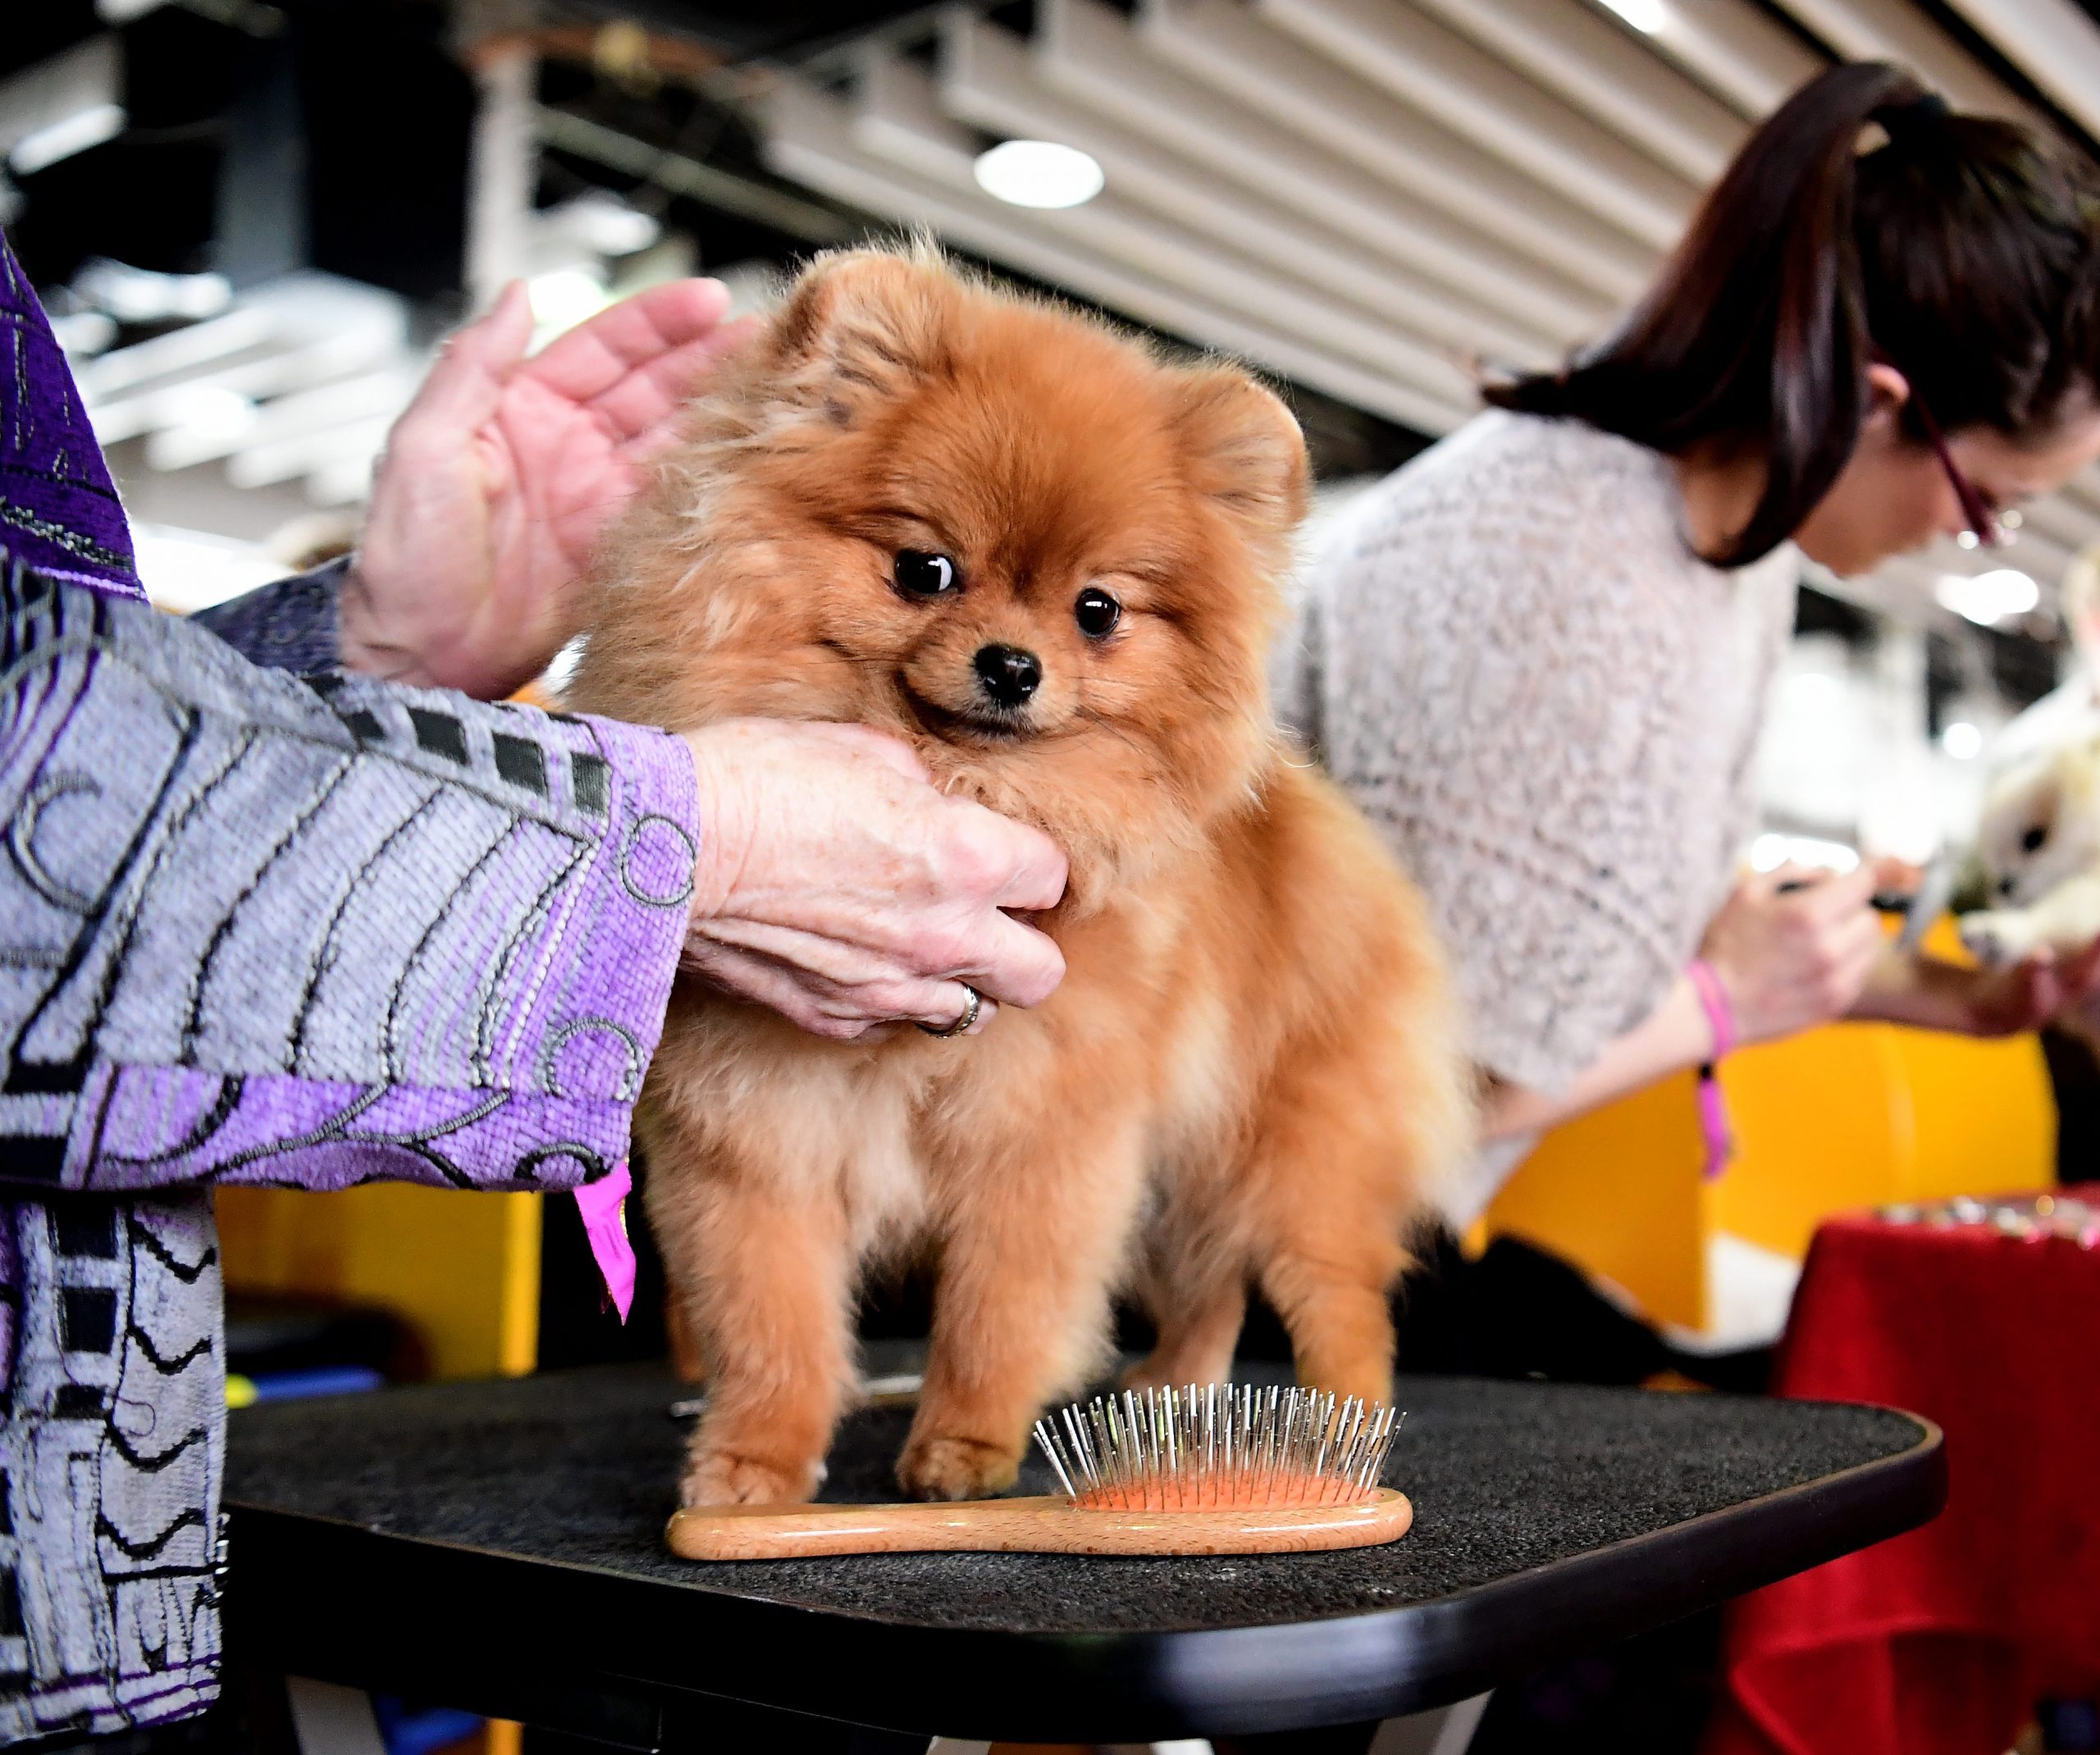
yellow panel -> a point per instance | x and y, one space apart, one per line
1843 1117
1986 1115
1617 1193
1823 1123
461 1269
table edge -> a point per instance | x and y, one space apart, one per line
1189 1681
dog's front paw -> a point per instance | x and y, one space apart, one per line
1994 939
933 1467
714 1477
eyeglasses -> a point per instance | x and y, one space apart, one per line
1987 527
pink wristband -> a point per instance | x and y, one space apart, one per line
1718 1137
1714 1001
603 1204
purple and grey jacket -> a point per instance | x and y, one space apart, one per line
255 926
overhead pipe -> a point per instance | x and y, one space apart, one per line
984 79
1088 55
807 135
1736 51
897 117
1602 71
1223 44
1896 30
2055 44
1440 75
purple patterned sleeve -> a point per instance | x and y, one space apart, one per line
316 930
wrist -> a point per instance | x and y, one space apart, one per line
1716 1003
723 834
364 642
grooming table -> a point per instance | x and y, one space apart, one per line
497 1546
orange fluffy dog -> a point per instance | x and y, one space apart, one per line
1048 561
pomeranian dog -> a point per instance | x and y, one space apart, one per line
1251 1074
2038 849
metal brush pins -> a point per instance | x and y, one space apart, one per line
1218 1445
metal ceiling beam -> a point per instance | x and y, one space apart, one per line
985 79
1440 75
1602 71
1737 52
1896 30
897 117
2063 521
808 136
1220 44
1088 55
2054 43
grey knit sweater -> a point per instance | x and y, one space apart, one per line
1510 654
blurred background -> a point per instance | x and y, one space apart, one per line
251 218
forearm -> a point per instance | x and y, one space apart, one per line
1920 991
1676 1035
262 928
294 624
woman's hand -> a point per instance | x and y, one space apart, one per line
499 478
1790 958
838 887
1997 1001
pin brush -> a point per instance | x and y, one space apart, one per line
1215 1470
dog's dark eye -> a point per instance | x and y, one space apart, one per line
1096 612
919 575
2032 841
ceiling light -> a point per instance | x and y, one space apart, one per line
564 298
1771 851
68 135
145 295
603 222
1650 16
1038 174
1990 597
1962 741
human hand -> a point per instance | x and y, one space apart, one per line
2010 999
837 886
1791 957
498 481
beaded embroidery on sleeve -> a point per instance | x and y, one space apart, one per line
253 927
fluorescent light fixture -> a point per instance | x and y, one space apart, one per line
1962 740
1813 691
606 224
1038 174
1990 597
68 135
562 298
1768 853
145 295
191 569
1649 16
84 334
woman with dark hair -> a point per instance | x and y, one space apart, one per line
1538 655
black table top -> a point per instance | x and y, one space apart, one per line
502 1542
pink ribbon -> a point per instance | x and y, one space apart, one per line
1714 1128
603 1204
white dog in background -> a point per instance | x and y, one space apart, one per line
2039 848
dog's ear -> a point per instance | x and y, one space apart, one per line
858 326
1243 447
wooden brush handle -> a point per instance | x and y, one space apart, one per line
1030 1526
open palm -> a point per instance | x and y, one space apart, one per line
500 477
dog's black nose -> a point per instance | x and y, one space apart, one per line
1008 674
2007 885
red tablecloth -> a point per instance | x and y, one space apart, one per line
1942 1639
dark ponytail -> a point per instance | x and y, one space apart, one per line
1964 250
